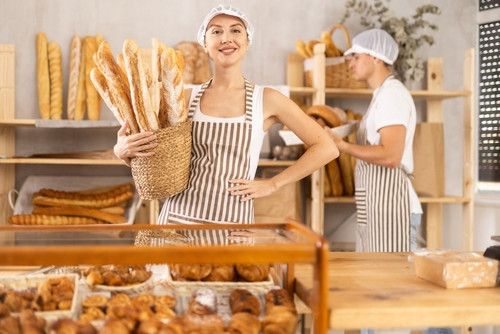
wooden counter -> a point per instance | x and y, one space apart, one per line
381 290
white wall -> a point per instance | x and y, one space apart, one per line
278 24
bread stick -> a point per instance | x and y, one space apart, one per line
43 79
172 88
92 97
139 93
55 74
81 212
88 203
106 63
30 219
74 71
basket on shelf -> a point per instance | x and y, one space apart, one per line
337 71
166 173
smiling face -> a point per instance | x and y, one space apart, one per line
226 39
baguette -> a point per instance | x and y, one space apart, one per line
101 85
157 50
80 212
55 75
118 90
172 91
333 172
300 47
141 101
43 79
123 73
79 195
330 49
30 219
81 96
92 97
88 203
74 71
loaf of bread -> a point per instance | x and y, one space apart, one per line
55 74
81 212
139 92
203 70
335 177
94 194
172 88
253 272
242 300
333 116
154 90
190 53
243 323
81 94
87 202
43 79
92 96
101 85
30 219
118 88
74 72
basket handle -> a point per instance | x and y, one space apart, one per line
346 33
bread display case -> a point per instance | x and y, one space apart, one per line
281 244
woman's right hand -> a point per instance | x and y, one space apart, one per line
135 145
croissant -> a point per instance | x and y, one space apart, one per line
242 300
243 323
253 272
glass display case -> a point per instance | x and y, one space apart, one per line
282 244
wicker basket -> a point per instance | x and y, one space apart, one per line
166 173
337 71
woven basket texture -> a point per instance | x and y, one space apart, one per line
166 173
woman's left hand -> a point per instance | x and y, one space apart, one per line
249 189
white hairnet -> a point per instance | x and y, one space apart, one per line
228 10
377 43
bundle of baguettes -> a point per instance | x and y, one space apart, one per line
149 94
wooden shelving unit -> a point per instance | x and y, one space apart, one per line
434 97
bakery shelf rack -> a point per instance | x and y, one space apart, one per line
284 244
433 96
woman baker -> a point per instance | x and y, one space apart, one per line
230 117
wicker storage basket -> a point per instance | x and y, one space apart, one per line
166 173
337 72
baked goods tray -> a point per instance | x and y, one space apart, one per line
33 183
32 282
186 288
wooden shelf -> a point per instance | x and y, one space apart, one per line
61 124
445 199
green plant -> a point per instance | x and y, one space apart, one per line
409 32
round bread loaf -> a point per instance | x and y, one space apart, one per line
333 116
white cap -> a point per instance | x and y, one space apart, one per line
376 43
228 10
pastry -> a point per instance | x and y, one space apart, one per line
118 87
43 79
139 92
114 326
253 272
203 301
98 301
243 323
280 320
55 75
279 297
193 272
203 324
74 72
221 273
242 300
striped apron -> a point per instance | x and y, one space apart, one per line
382 204
220 153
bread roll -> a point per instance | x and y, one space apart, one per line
139 92
118 90
92 96
203 302
43 79
55 74
203 324
243 323
172 89
242 300
332 116
221 273
74 71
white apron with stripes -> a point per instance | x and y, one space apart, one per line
220 153
382 204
